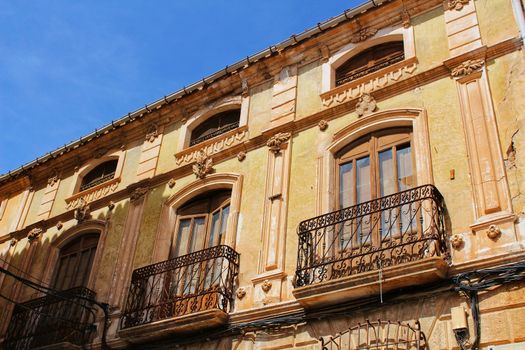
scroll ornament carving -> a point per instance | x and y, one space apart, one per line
275 142
138 193
152 132
494 232
266 286
362 35
457 241
34 234
82 212
456 4
241 292
467 67
323 125
203 165
365 105
244 88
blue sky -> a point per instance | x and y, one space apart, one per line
68 67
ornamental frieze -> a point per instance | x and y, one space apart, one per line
211 147
367 84
92 194
467 67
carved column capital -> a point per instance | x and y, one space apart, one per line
275 142
34 234
455 4
152 132
203 165
138 193
467 67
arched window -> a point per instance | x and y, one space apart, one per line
100 174
369 61
216 125
201 223
75 262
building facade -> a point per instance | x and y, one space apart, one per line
357 186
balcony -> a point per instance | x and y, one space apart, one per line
373 247
188 293
53 322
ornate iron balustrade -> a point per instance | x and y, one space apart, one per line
218 132
379 335
68 318
97 182
356 74
403 227
187 284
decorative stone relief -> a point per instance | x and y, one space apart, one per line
92 194
241 292
365 105
493 232
456 4
34 234
325 53
323 125
53 179
362 35
13 242
457 241
467 67
99 152
275 142
266 286
172 183
152 132
82 212
244 88
60 225
405 18
203 165
111 205
222 143
138 193
352 90
241 156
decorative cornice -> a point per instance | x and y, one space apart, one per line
275 142
455 4
365 105
362 35
92 194
82 212
203 165
467 67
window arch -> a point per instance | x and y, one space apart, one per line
369 61
99 174
215 125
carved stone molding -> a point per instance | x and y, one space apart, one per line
370 83
323 125
34 234
241 156
241 292
153 132
457 241
365 105
467 67
138 193
211 147
493 232
275 142
92 194
82 212
362 35
455 4
203 165
266 286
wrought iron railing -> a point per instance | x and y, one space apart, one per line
403 227
377 335
358 73
67 317
215 133
96 182
187 284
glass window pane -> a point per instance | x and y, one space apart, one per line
183 237
198 235
386 173
346 187
404 168
214 231
363 179
224 223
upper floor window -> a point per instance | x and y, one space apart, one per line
101 173
369 61
75 262
216 125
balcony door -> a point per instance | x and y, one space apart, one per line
377 165
201 224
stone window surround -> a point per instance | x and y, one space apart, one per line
348 51
415 118
91 164
203 114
